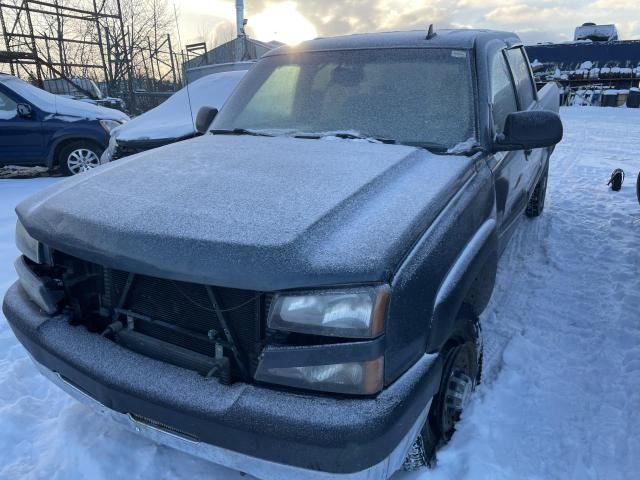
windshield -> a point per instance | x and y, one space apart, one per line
91 87
60 86
417 97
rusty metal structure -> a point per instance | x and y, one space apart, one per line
67 40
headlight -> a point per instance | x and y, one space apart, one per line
109 125
349 313
107 155
356 378
38 289
29 246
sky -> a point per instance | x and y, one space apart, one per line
292 21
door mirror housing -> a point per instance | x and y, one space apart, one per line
24 110
204 118
529 130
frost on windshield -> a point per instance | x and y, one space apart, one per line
411 96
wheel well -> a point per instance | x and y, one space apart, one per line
467 328
479 294
67 141
461 331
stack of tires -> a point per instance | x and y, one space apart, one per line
610 98
633 100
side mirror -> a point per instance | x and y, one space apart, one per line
24 110
204 118
528 130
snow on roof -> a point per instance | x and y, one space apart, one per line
458 38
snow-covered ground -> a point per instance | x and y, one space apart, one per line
561 391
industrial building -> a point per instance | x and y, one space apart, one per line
232 55
594 63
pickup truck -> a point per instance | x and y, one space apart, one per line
297 292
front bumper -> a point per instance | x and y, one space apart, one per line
262 431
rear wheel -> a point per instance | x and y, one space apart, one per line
460 375
78 157
536 202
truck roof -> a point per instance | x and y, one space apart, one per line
460 38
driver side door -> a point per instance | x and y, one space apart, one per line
21 139
510 169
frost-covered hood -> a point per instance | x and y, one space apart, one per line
250 212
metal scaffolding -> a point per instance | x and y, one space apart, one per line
79 39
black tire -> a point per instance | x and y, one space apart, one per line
463 357
78 156
536 202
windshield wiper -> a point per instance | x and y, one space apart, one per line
344 135
352 136
240 131
431 146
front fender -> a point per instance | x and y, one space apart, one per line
439 272
477 262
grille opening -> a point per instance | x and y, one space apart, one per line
177 313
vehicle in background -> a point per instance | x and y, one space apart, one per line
82 89
297 293
40 128
195 73
174 119
592 32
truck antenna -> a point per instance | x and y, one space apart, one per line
430 33
175 13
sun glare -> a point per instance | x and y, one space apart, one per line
282 22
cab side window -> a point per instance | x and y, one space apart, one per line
503 98
7 107
522 76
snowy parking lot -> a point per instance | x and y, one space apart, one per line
561 389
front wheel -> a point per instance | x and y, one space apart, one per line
78 157
460 375
459 378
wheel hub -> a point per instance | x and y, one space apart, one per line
82 160
459 392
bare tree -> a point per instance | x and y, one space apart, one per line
224 32
205 32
